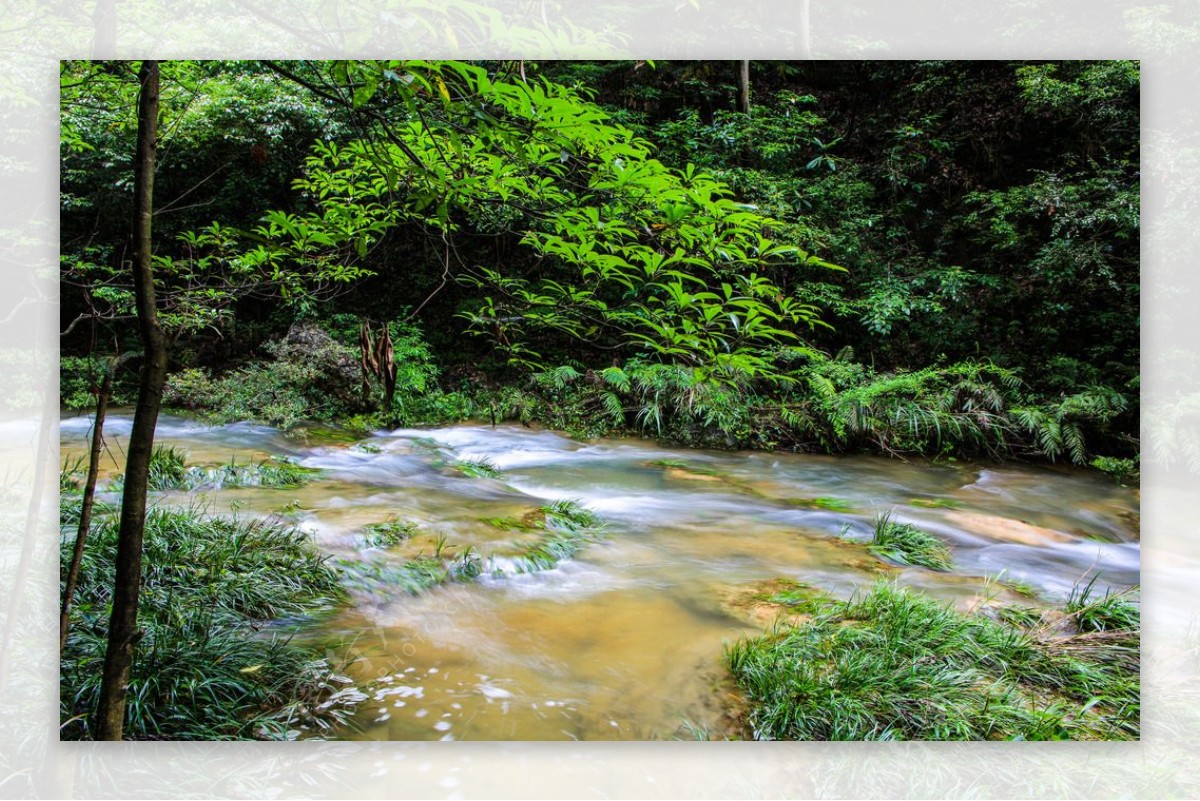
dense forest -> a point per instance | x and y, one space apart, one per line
936 262
907 257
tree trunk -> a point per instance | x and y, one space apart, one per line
85 509
744 87
122 631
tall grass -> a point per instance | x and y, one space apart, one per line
897 665
906 544
210 664
1111 612
169 471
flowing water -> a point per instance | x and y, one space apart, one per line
624 641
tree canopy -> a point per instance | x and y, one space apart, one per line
907 256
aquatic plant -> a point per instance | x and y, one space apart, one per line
906 544
389 533
898 665
570 515
935 503
169 471
276 472
417 575
478 468
168 468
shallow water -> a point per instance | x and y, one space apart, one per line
625 640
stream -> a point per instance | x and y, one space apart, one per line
624 640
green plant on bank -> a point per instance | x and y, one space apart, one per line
209 666
894 664
168 468
905 544
1123 471
70 473
1113 612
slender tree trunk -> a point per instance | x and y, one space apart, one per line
85 509
744 87
122 631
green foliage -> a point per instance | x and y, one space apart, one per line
566 528
70 474
1112 612
275 472
478 468
1123 471
828 504
169 471
205 670
1057 428
561 530
80 378
906 544
610 222
897 665
388 534
168 468
635 253
935 503
311 377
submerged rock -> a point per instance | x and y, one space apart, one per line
1005 528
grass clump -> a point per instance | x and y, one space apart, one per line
905 544
169 471
478 468
168 468
562 528
422 573
70 475
829 504
389 533
566 528
1113 612
207 666
897 665
275 473
935 503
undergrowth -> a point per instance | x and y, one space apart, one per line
897 665
209 664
